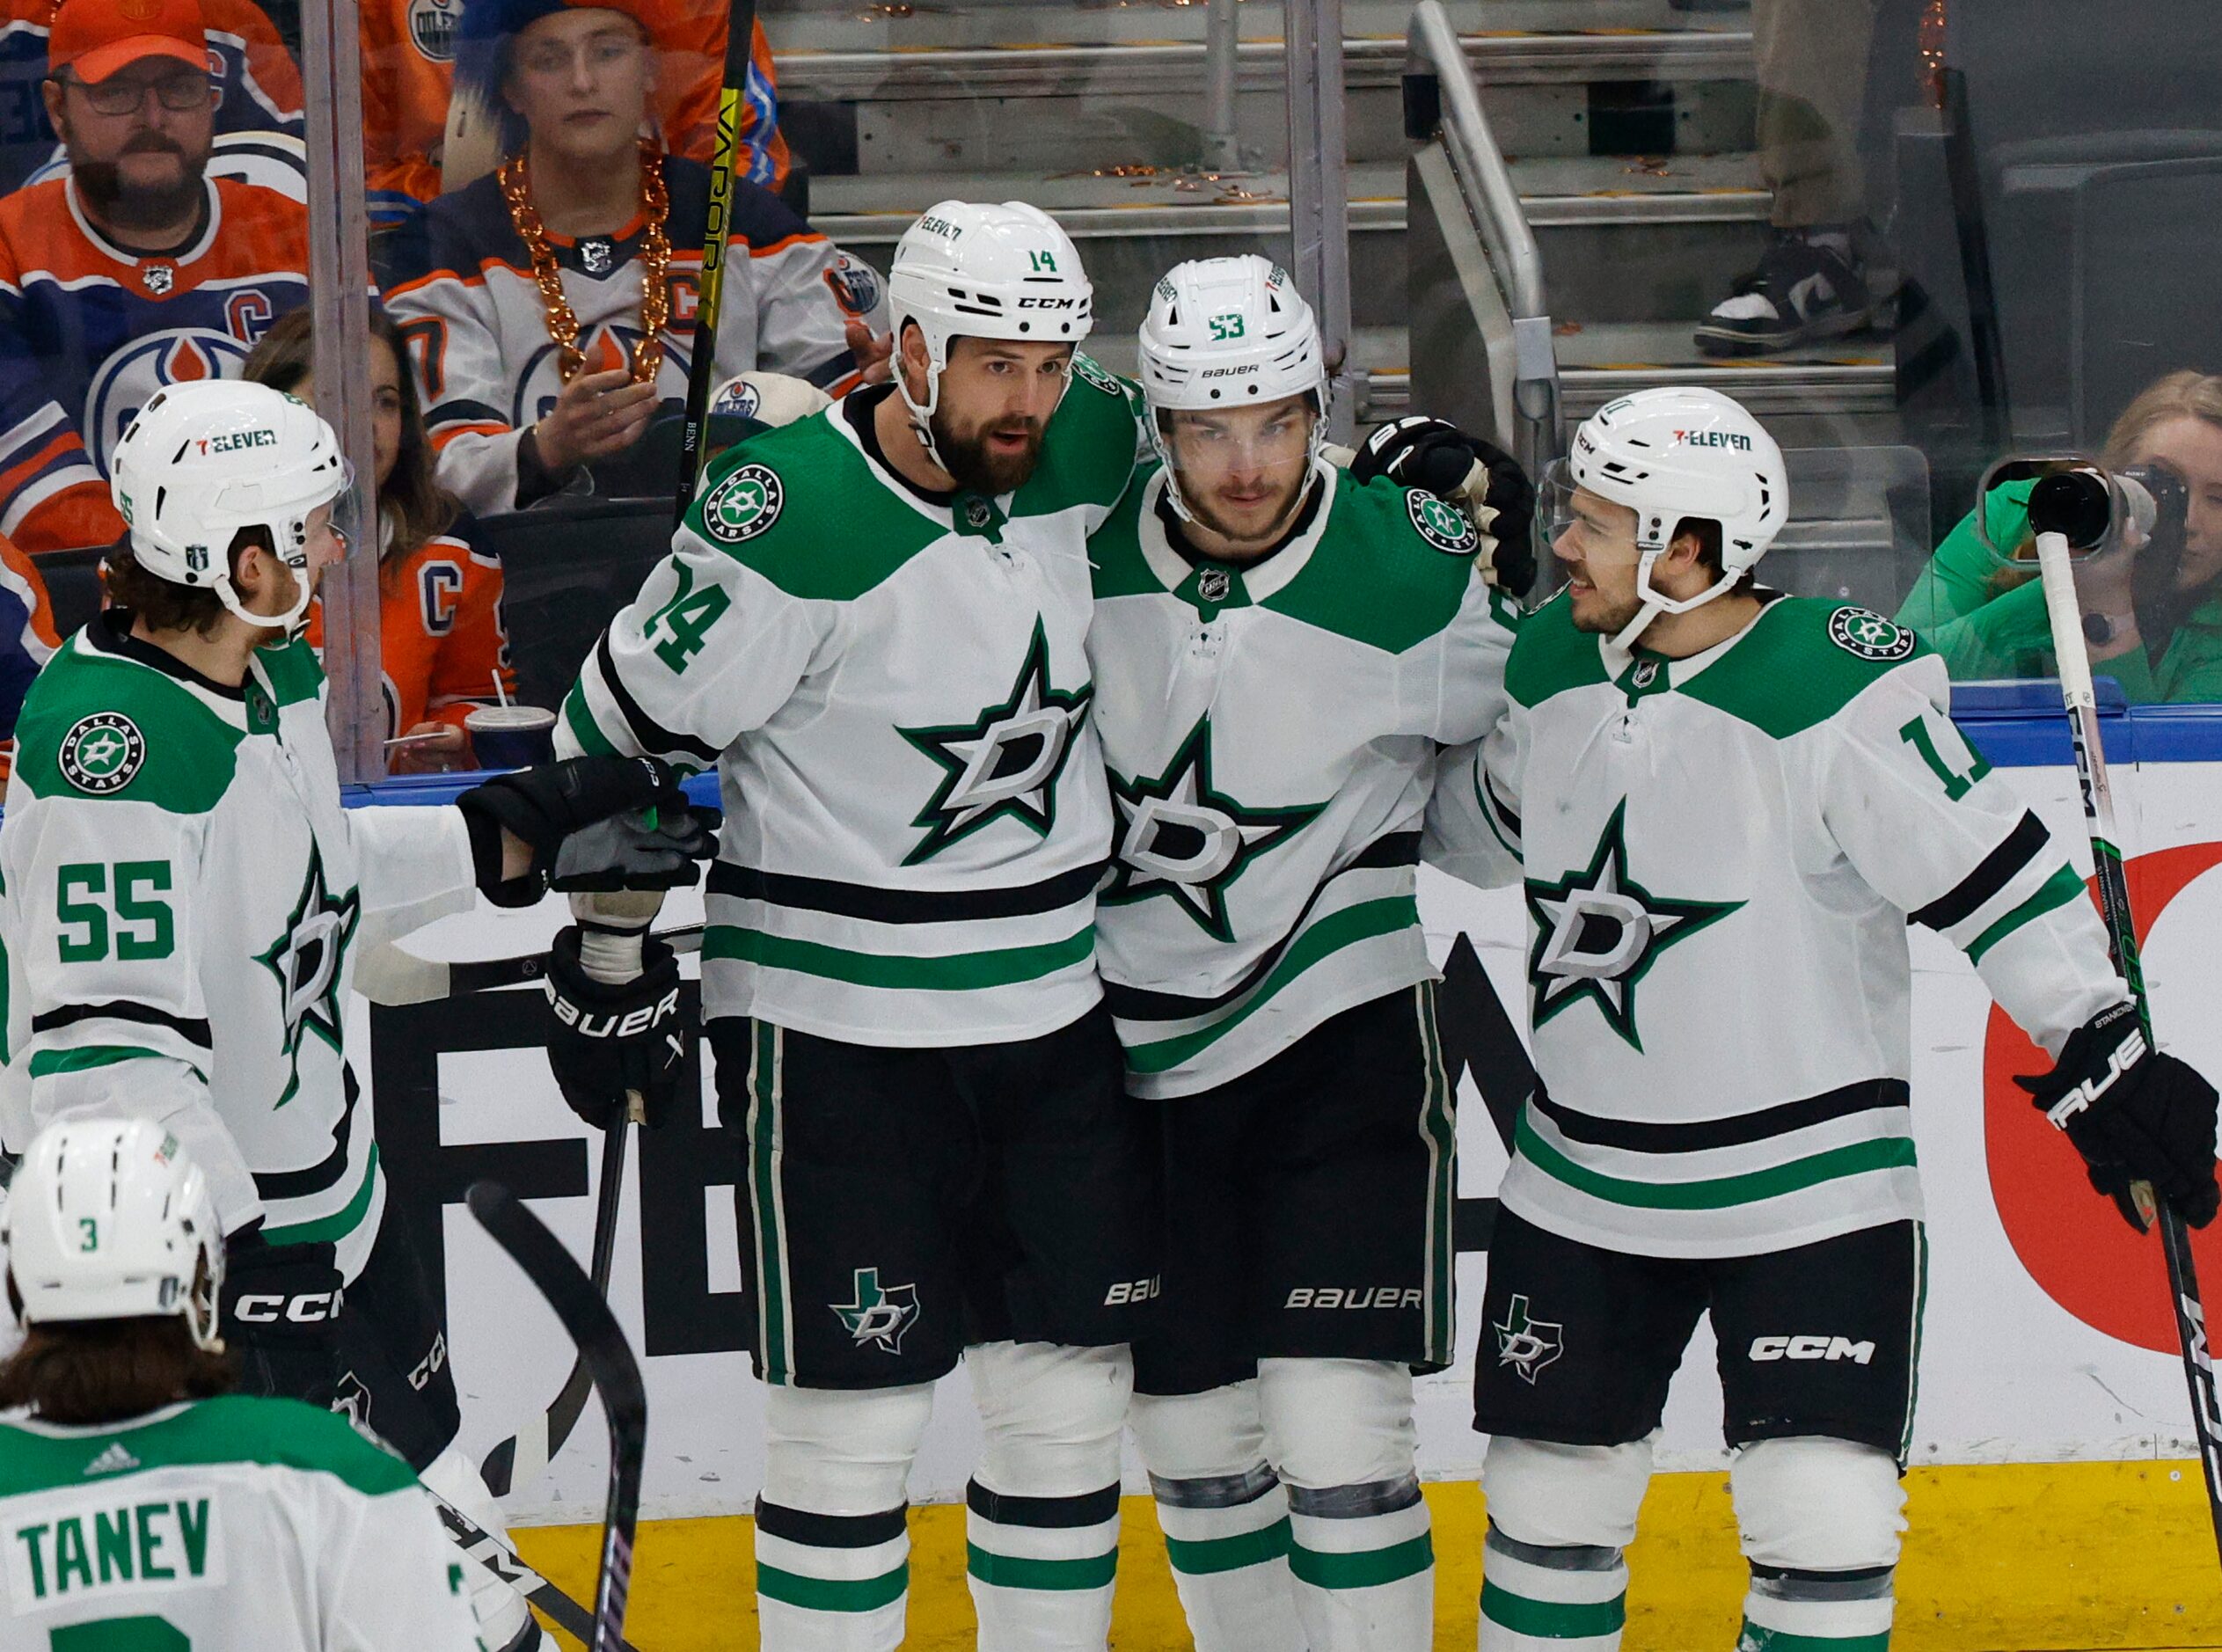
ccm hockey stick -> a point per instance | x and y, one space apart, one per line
702 372
390 975
616 1374
482 1548
2056 570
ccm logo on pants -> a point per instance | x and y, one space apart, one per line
1772 1348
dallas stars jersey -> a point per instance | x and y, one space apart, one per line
1271 733
1721 855
182 899
224 1522
478 328
89 330
895 690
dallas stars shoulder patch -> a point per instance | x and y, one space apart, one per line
743 505
1086 369
1868 635
1441 523
101 753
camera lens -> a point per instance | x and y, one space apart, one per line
2075 503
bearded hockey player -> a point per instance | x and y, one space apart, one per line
1728 804
185 898
873 623
141 1503
1277 649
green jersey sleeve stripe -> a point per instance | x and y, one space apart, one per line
47 1063
341 1222
1717 1192
2057 891
583 729
961 972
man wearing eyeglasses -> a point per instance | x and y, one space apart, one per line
136 271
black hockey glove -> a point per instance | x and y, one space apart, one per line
609 1040
1481 479
2135 1114
544 806
280 1309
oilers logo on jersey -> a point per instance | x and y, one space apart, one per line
432 26
611 346
1005 763
128 380
1181 836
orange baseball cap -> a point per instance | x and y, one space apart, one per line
95 37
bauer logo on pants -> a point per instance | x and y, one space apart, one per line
743 506
1527 1344
879 1314
102 752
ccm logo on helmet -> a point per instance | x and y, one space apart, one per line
1048 304
630 1024
311 1307
1765 1349
1712 439
232 440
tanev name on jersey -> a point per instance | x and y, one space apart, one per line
110 1542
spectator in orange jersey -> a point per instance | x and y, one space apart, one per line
408 75
440 634
556 317
27 637
136 271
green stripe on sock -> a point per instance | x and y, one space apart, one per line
961 972
1715 1192
1200 1557
1367 1569
1010 1571
1755 1638
1554 1619
826 1594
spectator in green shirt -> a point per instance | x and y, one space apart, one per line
1987 619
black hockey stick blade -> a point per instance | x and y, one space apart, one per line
525 1455
482 1548
702 371
608 1359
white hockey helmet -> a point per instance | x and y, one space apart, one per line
1672 452
109 1219
1227 333
970 270
203 461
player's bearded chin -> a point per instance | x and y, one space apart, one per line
141 205
965 456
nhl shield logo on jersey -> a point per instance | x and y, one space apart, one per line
880 1315
101 753
1442 525
597 255
1868 635
743 505
158 276
1526 1343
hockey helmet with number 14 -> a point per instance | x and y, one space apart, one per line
1667 454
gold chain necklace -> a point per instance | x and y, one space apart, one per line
655 254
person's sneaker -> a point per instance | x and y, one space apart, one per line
1804 289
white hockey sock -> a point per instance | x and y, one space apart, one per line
1228 1539
1817 1612
831 1583
1553 1599
1364 1567
1041 1569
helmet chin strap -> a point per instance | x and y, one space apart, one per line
1653 603
922 413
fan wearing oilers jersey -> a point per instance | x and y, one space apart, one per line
1725 804
182 899
1278 647
874 624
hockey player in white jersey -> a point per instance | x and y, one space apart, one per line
872 624
185 898
1278 647
141 1503
1727 805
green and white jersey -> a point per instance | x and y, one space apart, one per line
184 899
221 1524
893 689
1723 854
1271 733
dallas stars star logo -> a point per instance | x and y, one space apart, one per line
1526 1343
306 959
1004 763
1179 836
880 1314
1599 930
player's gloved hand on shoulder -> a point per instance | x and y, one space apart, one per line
552 809
609 1039
280 1311
2136 1114
1480 478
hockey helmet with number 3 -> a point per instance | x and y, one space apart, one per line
1668 454
1227 333
971 270
109 1219
203 461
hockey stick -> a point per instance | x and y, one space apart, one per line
390 975
482 1548
616 1374
702 371
2056 571
525 1455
